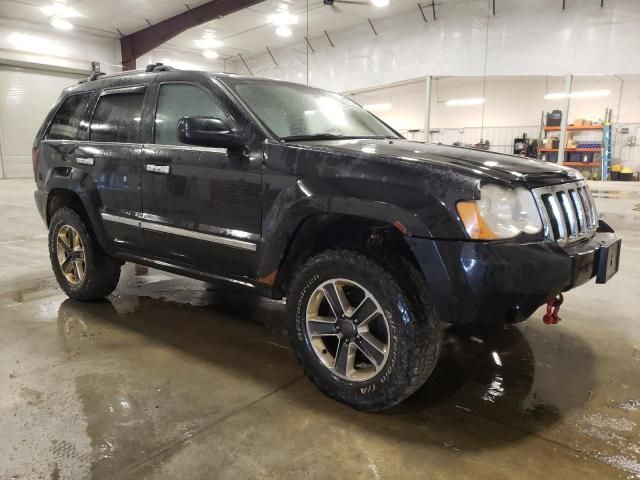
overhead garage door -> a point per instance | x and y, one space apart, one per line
26 96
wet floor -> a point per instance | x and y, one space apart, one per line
173 378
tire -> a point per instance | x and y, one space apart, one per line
413 333
90 274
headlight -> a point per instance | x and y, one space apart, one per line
500 213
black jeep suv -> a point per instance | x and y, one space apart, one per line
295 192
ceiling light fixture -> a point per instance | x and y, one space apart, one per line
590 94
462 102
579 94
60 10
207 43
283 18
282 21
61 24
283 31
380 3
377 107
210 54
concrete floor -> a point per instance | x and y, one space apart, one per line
171 379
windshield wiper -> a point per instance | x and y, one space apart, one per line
329 136
316 136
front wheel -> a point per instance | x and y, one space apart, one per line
361 338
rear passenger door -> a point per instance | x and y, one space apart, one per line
113 154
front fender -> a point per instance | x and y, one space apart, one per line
305 198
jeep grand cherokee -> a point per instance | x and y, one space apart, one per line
298 193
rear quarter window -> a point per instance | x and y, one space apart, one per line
66 121
117 117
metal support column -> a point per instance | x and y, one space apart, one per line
427 109
606 147
3 170
565 116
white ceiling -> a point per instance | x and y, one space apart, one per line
246 31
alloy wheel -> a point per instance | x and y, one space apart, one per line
348 330
71 254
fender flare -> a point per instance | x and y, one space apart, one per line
81 184
295 206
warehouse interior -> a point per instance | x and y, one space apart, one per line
174 377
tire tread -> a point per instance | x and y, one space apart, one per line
421 337
102 271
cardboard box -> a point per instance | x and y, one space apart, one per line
581 122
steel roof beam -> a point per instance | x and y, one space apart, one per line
134 45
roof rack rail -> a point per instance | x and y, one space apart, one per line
159 67
92 77
154 67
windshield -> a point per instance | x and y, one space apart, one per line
296 112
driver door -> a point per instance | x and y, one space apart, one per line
201 205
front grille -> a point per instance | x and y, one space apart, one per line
568 211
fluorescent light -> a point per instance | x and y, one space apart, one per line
61 24
208 43
377 107
60 10
380 3
210 54
590 94
461 102
283 18
579 94
283 31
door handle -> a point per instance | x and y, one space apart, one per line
163 169
85 161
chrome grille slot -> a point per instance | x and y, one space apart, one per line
555 218
569 214
568 211
590 206
580 211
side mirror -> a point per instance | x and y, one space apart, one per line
208 132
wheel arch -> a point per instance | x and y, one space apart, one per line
319 232
77 191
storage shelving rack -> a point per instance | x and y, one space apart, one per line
604 151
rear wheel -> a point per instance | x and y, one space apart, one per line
362 338
83 270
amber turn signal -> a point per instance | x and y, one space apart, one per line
473 223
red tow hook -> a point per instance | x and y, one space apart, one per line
553 307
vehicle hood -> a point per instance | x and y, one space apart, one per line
478 163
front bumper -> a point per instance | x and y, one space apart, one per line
491 282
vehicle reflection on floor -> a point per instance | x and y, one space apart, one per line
492 374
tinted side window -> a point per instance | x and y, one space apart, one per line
66 121
176 100
117 117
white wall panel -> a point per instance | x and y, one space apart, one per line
622 152
525 38
27 42
181 59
